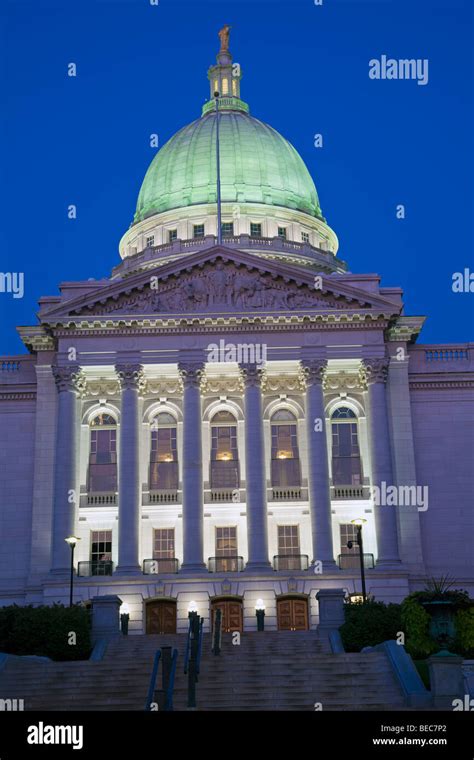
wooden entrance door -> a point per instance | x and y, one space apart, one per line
232 614
161 617
292 614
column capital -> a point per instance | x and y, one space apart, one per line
69 377
131 376
375 370
191 373
252 375
313 371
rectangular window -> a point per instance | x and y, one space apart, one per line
225 86
101 552
255 229
305 237
172 235
226 550
164 550
288 539
234 87
103 461
346 463
150 241
198 230
227 229
282 233
164 460
348 532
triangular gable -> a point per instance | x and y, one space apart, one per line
220 280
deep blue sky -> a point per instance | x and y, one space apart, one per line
142 69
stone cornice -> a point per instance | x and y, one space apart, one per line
405 329
18 396
448 382
36 338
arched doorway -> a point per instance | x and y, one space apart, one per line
161 616
232 613
292 613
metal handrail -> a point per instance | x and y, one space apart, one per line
154 673
169 692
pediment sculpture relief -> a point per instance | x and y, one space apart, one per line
217 288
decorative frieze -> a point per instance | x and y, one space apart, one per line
102 388
223 384
285 383
164 387
344 382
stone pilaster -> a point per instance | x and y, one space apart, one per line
375 372
193 512
319 492
257 522
70 384
131 381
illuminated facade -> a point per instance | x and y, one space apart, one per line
211 418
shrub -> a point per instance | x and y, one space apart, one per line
45 631
464 623
416 622
369 624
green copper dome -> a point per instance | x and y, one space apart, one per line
257 166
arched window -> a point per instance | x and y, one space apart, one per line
285 455
346 461
102 476
163 453
224 452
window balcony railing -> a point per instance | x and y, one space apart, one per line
225 564
99 499
292 562
352 561
220 495
163 496
349 492
95 567
161 566
286 493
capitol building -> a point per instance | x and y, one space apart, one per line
210 419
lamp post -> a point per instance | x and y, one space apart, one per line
359 522
124 618
72 541
192 609
260 613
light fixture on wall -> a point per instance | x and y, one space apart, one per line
283 455
224 456
260 613
72 541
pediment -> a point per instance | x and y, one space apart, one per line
220 281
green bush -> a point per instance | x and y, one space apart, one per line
464 623
415 623
369 624
45 631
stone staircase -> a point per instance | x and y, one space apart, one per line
267 671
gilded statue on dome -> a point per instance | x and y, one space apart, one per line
224 38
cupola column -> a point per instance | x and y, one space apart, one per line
131 380
257 522
318 465
375 372
193 511
70 383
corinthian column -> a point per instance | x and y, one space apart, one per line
131 381
193 513
318 465
376 373
70 383
257 526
